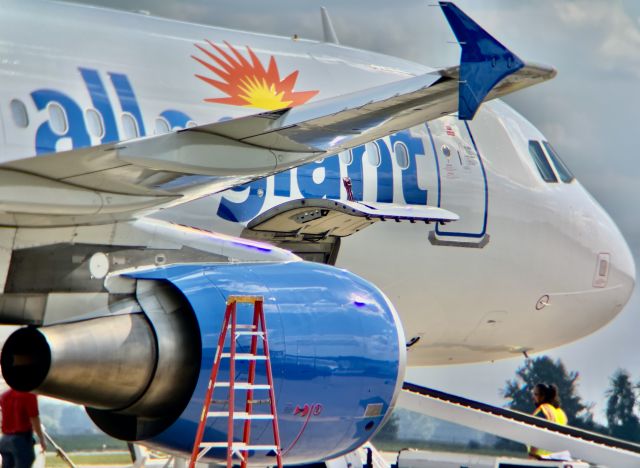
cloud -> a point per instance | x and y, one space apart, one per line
614 31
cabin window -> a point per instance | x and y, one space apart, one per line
542 163
94 123
162 126
346 157
129 126
373 154
402 155
561 168
19 113
57 118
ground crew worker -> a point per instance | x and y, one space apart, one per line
548 407
20 418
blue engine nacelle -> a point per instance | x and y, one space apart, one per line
336 345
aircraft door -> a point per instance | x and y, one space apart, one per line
462 183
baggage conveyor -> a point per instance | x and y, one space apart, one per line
520 427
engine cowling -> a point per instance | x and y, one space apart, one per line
337 353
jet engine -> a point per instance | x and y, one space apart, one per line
337 353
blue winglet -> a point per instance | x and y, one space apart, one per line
483 62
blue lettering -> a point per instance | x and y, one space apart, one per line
384 174
247 209
328 187
176 118
127 98
413 194
46 138
327 181
101 103
282 184
354 171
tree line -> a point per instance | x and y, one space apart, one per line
622 403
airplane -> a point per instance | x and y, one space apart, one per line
387 213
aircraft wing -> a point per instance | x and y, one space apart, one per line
121 180
333 125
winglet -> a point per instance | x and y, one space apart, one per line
327 27
484 61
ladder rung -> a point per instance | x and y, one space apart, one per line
238 415
255 330
244 299
245 357
249 333
215 445
237 446
243 326
244 386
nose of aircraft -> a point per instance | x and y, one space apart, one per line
607 266
623 267
616 266
607 269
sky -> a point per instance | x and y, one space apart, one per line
587 112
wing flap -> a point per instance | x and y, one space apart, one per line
311 219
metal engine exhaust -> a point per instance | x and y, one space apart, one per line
139 366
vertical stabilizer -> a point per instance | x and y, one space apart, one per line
327 27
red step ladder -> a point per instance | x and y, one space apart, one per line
257 331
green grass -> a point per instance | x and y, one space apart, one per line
88 442
97 458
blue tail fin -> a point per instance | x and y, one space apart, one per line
483 63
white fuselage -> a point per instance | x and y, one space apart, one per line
530 264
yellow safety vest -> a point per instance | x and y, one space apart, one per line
550 413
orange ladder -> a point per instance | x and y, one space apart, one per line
256 330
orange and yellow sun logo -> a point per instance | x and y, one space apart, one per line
246 82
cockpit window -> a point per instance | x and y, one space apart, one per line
561 168
542 163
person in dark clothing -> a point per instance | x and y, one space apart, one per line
20 419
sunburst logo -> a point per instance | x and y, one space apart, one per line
245 80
